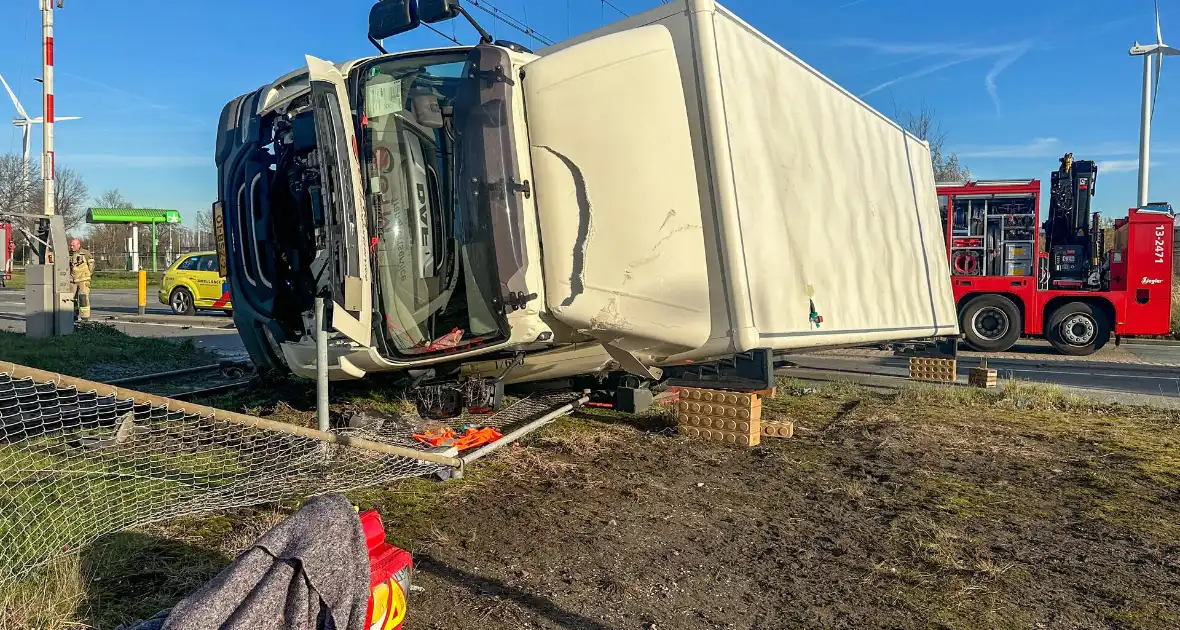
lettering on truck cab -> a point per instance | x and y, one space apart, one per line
1147 280
1160 233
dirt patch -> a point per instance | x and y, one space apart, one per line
932 507
877 515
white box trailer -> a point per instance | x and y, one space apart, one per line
719 194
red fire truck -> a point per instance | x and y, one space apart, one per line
1015 276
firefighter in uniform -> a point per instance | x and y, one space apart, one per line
81 268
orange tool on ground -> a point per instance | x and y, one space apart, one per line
436 437
477 437
472 438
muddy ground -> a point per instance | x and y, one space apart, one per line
932 508
879 514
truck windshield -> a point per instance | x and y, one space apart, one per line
434 290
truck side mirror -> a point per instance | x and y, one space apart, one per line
438 10
392 17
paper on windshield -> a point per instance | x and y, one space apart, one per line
383 98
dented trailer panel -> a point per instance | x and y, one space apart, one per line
804 219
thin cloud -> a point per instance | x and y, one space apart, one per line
914 75
1121 166
110 88
927 48
952 54
1002 64
1053 147
140 105
142 161
851 4
1038 147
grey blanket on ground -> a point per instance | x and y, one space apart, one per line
309 572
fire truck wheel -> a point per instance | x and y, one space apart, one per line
1078 329
990 323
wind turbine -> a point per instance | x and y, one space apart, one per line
1150 53
26 124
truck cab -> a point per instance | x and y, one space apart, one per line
382 185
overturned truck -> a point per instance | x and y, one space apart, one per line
674 196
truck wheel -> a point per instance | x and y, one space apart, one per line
1078 329
181 301
991 323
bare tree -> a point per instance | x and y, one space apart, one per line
17 192
107 242
203 228
69 194
112 199
925 125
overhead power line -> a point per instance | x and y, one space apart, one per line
499 14
616 8
444 35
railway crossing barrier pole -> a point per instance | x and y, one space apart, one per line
321 365
142 291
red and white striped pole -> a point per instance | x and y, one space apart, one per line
47 165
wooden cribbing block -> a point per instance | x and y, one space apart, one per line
936 370
732 417
982 377
778 428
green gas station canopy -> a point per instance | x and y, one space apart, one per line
131 215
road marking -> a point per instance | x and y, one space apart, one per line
185 326
120 321
1093 374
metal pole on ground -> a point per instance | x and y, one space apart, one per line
321 365
526 429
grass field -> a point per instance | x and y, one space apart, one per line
101 280
1176 307
929 507
100 352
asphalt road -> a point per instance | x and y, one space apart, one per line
1127 378
119 308
215 331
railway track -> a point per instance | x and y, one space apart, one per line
186 383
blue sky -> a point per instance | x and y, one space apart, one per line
1016 84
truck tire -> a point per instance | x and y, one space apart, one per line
990 323
1078 329
259 349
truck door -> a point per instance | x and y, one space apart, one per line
342 192
208 279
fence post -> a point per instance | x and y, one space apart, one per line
321 365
